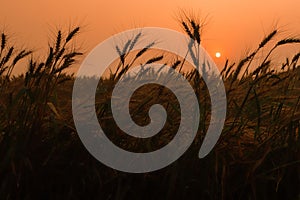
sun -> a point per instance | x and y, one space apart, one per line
218 55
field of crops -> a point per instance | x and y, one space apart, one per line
257 156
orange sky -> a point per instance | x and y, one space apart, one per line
234 25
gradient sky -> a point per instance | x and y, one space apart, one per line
234 26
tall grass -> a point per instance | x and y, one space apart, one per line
257 156
29 105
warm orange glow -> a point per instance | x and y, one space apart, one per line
233 26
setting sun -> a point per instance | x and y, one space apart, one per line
218 55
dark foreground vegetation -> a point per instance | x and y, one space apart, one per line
257 156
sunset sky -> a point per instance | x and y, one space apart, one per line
234 26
